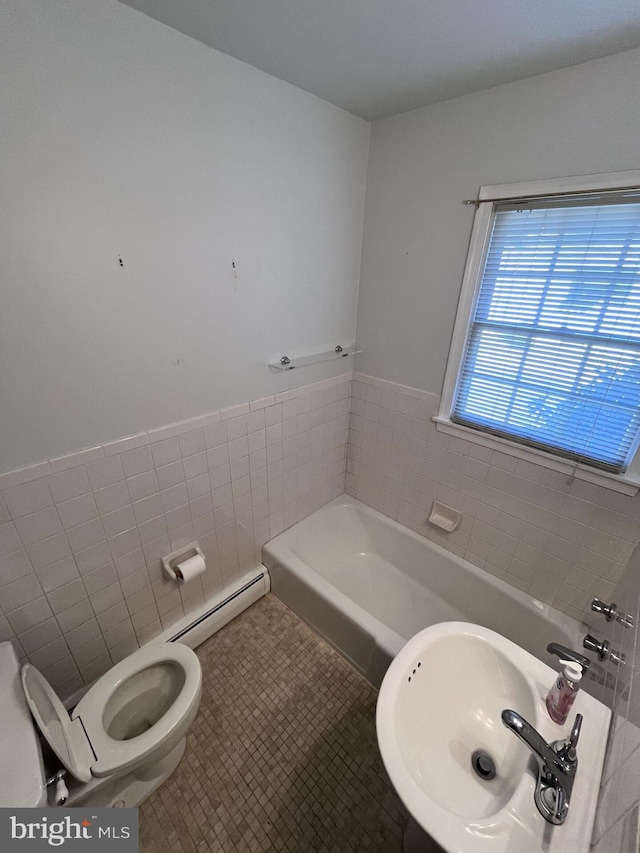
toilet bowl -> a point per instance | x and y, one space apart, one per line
130 726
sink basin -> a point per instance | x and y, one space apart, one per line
437 748
440 706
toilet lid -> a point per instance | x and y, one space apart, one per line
65 736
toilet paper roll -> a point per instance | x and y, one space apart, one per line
190 568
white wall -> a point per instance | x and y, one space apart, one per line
423 164
123 138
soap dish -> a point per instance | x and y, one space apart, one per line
445 517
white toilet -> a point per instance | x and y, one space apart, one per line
120 742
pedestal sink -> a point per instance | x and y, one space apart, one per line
441 738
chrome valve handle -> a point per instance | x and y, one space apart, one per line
567 750
600 647
603 649
611 612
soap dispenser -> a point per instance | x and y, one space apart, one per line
563 692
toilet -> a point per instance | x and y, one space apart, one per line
120 742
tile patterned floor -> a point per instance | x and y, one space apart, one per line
283 752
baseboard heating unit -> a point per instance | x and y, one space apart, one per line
217 611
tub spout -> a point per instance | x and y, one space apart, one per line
592 670
565 653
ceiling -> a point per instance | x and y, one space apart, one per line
377 58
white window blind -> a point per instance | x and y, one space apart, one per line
552 356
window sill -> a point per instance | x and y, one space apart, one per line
627 483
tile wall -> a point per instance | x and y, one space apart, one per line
81 536
617 827
563 542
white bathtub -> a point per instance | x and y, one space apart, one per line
367 584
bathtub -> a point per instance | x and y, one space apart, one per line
368 584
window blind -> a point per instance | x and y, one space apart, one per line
552 358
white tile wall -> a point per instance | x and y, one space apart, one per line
563 542
81 536
617 827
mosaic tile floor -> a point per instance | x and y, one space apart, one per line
283 752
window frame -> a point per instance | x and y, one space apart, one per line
627 482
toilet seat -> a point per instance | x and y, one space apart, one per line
81 741
115 755
66 737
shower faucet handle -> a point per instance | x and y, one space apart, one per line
611 612
603 649
600 647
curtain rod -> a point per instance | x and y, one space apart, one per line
560 195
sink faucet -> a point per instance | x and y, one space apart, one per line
557 764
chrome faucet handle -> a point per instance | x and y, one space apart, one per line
611 612
561 806
603 649
567 749
574 737
600 647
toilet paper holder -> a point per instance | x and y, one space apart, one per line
170 563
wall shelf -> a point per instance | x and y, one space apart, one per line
287 363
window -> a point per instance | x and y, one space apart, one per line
546 351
